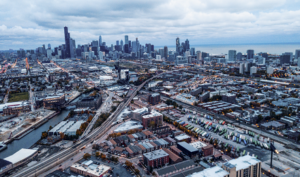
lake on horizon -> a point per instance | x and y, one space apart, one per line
223 48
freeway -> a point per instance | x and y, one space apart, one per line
63 155
242 125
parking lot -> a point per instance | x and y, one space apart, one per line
250 148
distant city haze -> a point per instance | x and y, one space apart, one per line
156 22
215 49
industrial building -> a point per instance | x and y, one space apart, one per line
187 149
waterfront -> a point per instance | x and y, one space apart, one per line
31 138
276 48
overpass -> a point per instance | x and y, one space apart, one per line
52 161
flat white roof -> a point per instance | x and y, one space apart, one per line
152 114
9 104
181 137
156 154
129 125
75 126
99 171
58 126
243 162
198 145
20 155
215 171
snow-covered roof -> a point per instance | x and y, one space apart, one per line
20 155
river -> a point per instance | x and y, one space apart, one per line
31 138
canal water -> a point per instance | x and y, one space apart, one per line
31 138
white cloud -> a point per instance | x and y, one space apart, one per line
158 22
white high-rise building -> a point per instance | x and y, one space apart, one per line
100 55
241 68
270 70
232 55
49 53
253 70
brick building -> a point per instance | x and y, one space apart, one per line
154 98
208 150
19 107
154 159
153 116
54 102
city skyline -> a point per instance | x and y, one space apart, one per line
225 22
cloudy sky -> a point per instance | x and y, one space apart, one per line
30 24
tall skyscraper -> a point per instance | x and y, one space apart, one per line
117 42
126 39
297 54
129 44
166 53
72 48
239 56
232 55
67 43
192 51
121 45
250 54
100 41
49 46
177 45
187 44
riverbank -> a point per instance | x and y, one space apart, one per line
33 126
29 138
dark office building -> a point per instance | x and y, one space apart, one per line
95 49
239 56
250 54
154 98
285 59
187 149
265 55
187 45
204 54
67 42
152 48
126 48
78 52
129 43
90 101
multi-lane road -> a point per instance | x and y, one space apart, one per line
52 161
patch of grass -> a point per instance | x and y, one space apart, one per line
18 97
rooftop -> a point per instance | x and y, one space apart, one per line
243 162
156 154
214 171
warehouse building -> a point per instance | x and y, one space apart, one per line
187 149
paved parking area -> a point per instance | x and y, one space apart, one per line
262 153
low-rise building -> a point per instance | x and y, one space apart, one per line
88 168
153 119
154 159
272 125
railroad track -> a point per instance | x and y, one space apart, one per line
58 158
